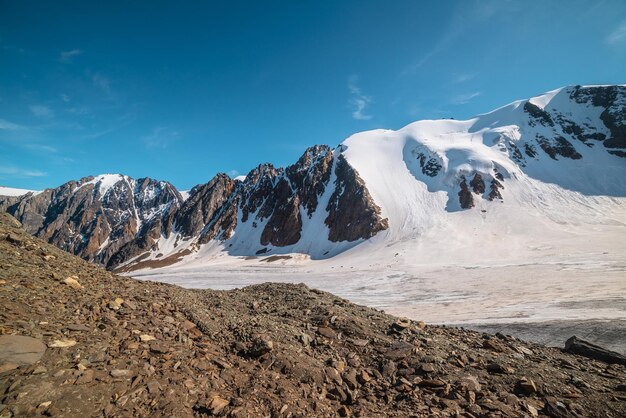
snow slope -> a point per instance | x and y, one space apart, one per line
8 191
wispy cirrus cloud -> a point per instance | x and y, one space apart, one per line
102 82
12 172
160 138
9 126
42 148
465 98
67 56
618 35
462 78
358 100
43 112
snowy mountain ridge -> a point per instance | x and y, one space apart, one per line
558 156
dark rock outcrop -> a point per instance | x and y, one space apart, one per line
352 213
466 199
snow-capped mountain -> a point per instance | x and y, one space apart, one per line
560 155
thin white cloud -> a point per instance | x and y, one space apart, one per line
358 100
102 82
233 173
160 138
42 148
65 97
9 126
465 98
41 111
462 78
618 35
66 56
15 172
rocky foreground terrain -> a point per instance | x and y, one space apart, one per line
77 341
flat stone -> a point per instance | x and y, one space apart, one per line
62 343
326 332
20 350
121 373
77 327
73 283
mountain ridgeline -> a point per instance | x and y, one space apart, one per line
111 219
332 199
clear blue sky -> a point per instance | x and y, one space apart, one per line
180 90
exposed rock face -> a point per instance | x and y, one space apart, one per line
465 195
284 226
613 100
478 184
565 130
96 216
352 213
204 206
494 190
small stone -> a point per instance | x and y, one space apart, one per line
62 343
401 324
326 332
44 405
427 368
85 377
470 383
73 283
14 239
498 368
260 346
344 411
359 342
493 344
153 387
305 339
333 375
432 383
363 377
40 370
217 404
146 338
351 379
116 304
526 386
121 373
187 325
158 347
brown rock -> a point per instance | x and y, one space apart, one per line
73 283
526 386
121 373
20 350
217 404
326 332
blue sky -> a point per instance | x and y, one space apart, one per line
182 90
